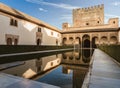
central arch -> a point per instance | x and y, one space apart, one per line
86 41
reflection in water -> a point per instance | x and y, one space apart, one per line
86 55
73 66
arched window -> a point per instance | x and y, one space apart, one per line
104 40
113 40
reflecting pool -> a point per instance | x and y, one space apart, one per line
64 69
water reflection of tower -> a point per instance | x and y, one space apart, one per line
78 74
78 77
38 64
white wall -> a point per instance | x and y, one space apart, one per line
48 39
26 32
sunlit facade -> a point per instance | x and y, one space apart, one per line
17 28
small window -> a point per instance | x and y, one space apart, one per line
13 22
113 22
58 35
51 63
87 23
98 22
39 29
51 33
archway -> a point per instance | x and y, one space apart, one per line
77 42
64 41
38 41
94 42
9 41
64 56
86 41
104 40
71 40
56 41
16 42
113 40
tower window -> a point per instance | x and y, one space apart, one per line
87 23
113 22
13 22
98 22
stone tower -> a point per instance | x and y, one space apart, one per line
91 16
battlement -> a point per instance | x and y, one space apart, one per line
91 8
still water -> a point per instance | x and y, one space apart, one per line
65 69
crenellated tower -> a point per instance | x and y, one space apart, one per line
91 16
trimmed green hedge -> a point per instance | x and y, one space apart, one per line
112 50
6 49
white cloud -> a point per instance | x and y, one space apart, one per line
66 16
107 16
41 9
117 3
58 5
111 16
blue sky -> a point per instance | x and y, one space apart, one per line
55 12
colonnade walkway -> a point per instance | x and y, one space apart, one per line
105 72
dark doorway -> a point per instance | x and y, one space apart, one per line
9 41
86 43
94 42
38 41
64 41
16 42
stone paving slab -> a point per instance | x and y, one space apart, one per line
105 72
9 81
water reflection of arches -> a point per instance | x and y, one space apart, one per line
72 58
113 40
94 42
9 41
64 40
86 41
104 40
86 55
77 55
64 56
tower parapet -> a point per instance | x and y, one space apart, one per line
65 26
90 16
